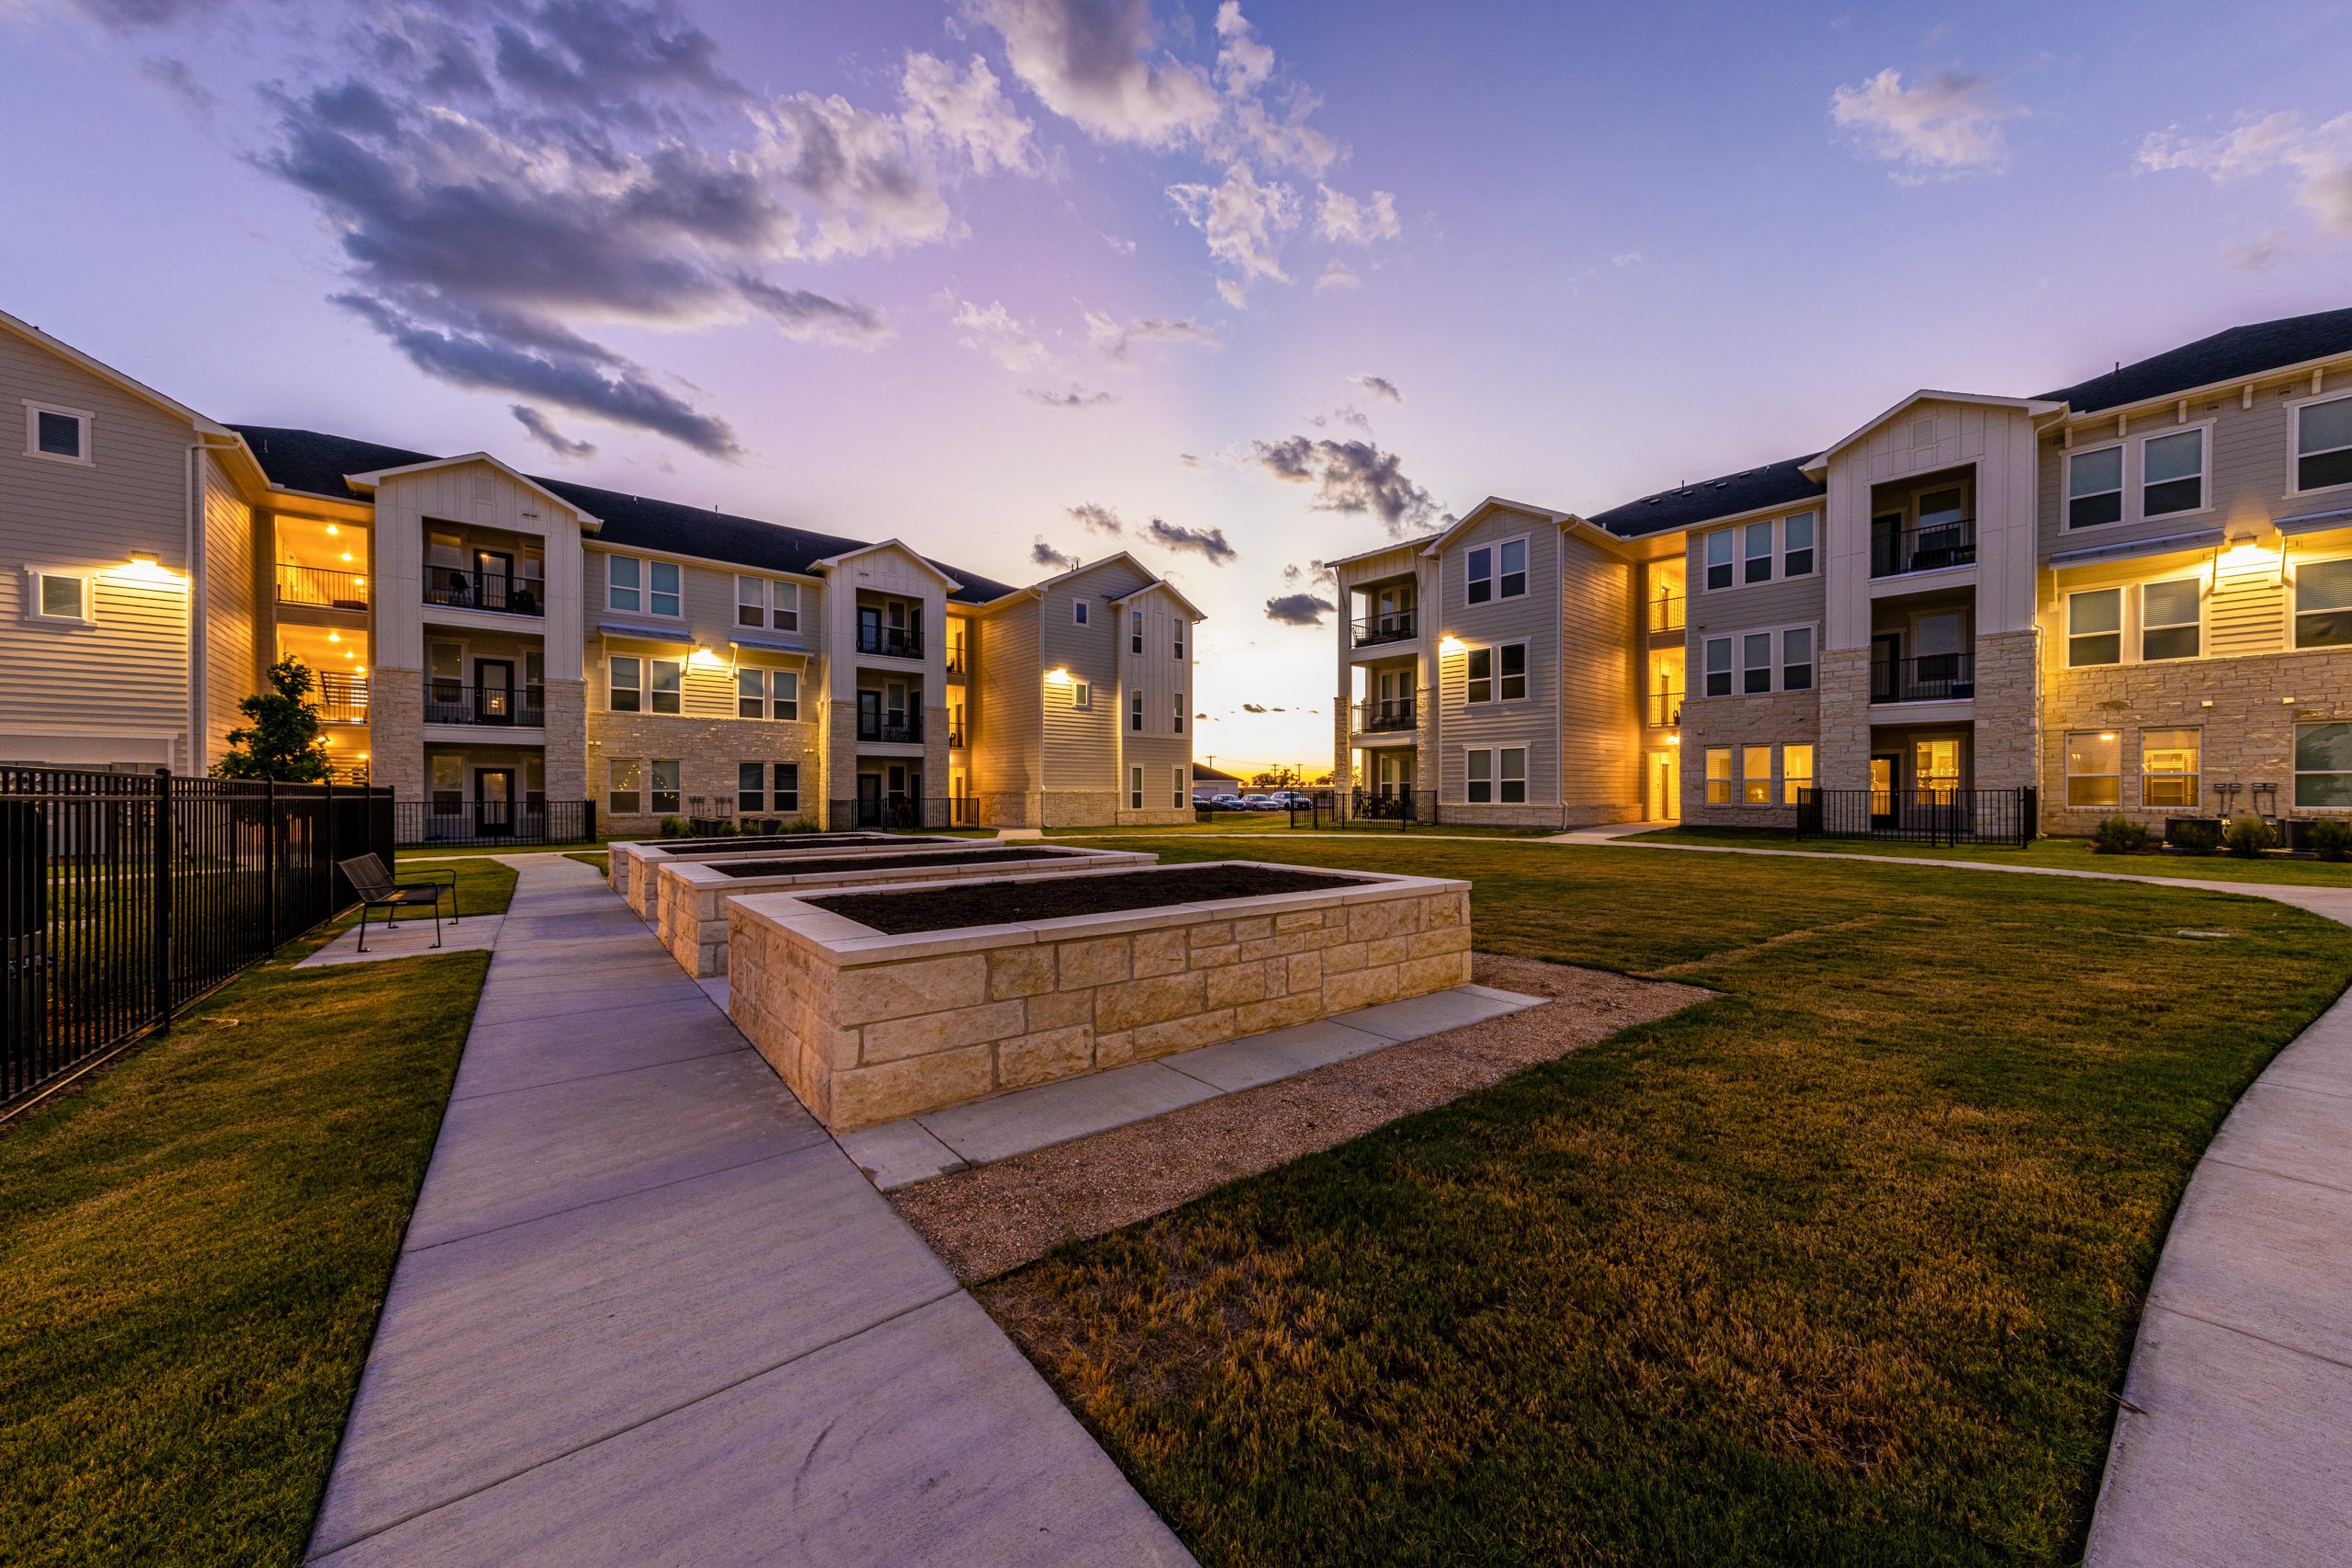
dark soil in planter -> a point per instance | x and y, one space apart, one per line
788 840
885 862
1054 898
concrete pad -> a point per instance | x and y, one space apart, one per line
899 1154
715 988
2235 1455
1433 1014
504 1005
1057 1112
928 1442
2289 1132
505 1159
406 939
2255 1252
1278 1054
2322 1066
505 1056
609 1316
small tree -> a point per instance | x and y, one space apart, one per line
282 740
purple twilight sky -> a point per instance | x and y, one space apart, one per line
1238 287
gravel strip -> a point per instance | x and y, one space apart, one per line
996 1217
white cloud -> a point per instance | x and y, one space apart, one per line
1626 258
1085 61
1000 335
1337 275
1114 339
968 113
1245 222
2320 158
1242 63
1351 222
1948 125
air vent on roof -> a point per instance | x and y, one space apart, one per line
1723 484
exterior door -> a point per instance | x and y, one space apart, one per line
1392 773
869 714
1883 790
869 800
1886 667
1666 787
494 802
494 578
494 691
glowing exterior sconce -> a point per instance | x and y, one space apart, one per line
1449 645
1059 675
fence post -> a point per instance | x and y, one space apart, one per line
325 855
590 814
269 854
162 902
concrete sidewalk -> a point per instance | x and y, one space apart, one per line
647 1312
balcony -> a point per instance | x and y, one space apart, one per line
1383 716
1664 710
1666 615
317 585
1897 552
1396 626
463 588
342 699
892 730
509 708
1930 677
890 642
958 658
955 741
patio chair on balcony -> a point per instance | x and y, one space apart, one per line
379 889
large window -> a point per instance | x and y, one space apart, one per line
2095 486
1514 564
750 694
1719 563
1512 784
1719 775
1756 662
1796 771
669 688
1480 581
1511 659
1478 777
786 797
1718 670
1478 675
1797 545
625 684
1758 552
448 784
665 787
2324 444
2094 768
2169 619
2168 768
1756 775
2094 627
624 781
2172 473
634 584
2324 764
751 605
2324 603
750 788
785 685
1796 659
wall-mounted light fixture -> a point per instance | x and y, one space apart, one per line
1449 645
144 566
704 659
1057 676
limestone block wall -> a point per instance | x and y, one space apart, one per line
633 868
395 731
1776 720
567 740
868 1030
1843 760
2008 740
706 751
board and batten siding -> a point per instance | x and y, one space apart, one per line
1007 696
1532 618
474 495
238 605
1163 745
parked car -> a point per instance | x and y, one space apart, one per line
1227 803
1295 799
1262 803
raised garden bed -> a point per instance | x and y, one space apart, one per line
691 896
871 1024
631 868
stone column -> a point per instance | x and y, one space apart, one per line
1843 760
567 743
395 731
2008 710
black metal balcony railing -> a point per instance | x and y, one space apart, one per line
1396 626
954 738
1896 551
891 642
1930 677
1383 803
463 589
342 699
2007 817
1383 714
1666 614
531 820
1665 710
331 588
957 659
452 702
904 732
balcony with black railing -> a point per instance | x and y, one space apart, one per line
890 642
1929 678
1385 716
1665 710
512 707
955 737
1898 552
322 587
479 588
1666 614
890 729
342 699
958 658
1389 626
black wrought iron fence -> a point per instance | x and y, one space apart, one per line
893 813
125 897
2008 817
459 823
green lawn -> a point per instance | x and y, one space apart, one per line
600 860
193 1248
1843 1266
2071 854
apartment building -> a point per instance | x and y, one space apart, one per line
488 642
2133 595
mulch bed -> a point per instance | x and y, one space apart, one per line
885 862
993 1218
1004 903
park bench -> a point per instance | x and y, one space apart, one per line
379 889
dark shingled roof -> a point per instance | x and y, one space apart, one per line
1775 484
308 460
2224 357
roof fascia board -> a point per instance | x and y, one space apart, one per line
375 478
1162 585
2033 406
2075 418
829 562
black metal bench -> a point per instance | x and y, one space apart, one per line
379 889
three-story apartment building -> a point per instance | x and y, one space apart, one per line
488 642
2130 595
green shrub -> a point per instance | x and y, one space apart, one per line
2330 838
674 827
2198 837
2118 835
2249 836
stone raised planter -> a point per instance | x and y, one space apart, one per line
867 1027
631 868
690 896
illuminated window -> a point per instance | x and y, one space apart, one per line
1719 775
1756 775
2094 766
2168 768
1796 771
624 781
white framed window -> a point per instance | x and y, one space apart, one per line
1079 610
1511 770
2322 765
750 602
750 788
448 783
2094 627
1757 551
2168 765
1719 548
665 787
1135 711
1178 623
58 435
2094 767
1178 726
2171 619
1717 672
624 784
2172 473
1478 583
1796 772
785 687
2322 444
1081 694
784 606
1478 675
2324 603
669 685
1719 775
785 798
1176 792
1510 671
1511 556
1135 631
64 598
1756 775
1798 542
1755 663
624 684
1134 788
2095 486
641 586
1797 659
1478 777
750 694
